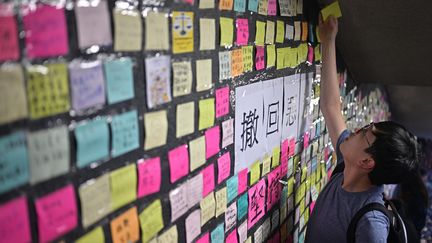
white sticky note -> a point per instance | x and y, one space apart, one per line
207 34
231 217
206 4
242 231
197 153
13 102
221 201
203 74
227 132
179 202
194 190
127 30
156 129
182 78
193 225
289 33
185 119
156 26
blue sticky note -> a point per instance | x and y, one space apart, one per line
217 235
14 163
242 206
240 6
92 141
124 130
253 5
232 188
119 78
314 164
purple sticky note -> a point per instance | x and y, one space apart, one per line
208 180
242 32
45 31
256 209
259 58
149 176
14 221
222 101
242 180
178 162
274 187
271 8
224 167
212 139
204 239
57 213
232 237
9 49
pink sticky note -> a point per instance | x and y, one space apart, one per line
242 180
259 58
224 167
306 140
256 202
14 221
222 101
284 165
242 32
271 8
285 147
311 207
149 176
178 162
204 239
232 237
212 139
208 180
310 57
45 31
57 213
9 49
274 187
326 154
291 149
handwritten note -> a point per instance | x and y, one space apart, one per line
253 5
232 188
221 201
332 9
124 130
280 31
242 31
194 190
284 7
127 30
158 79
13 102
274 188
262 7
271 55
206 4
240 6
297 30
14 221
197 152
56 213
92 141
247 58
156 129
242 206
289 34
151 220
231 217
119 80
226 5
206 113
94 236
185 119
193 225
224 167
87 83
255 173
232 237
9 48
270 31
182 78
224 65
208 208
169 236
203 74
156 34
242 180
222 101
227 29
179 201
149 176
208 180
218 234
259 58
178 162
272 8
256 203
123 185
124 228
46 32
207 34
236 62
183 32
260 33
242 231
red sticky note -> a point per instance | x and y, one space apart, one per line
256 196
310 57
57 213
259 58
306 140
14 221
178 162
242 180
224 167
222 101
204 239
45 31
149 176
271 8
208 180
291 149
242 32
212 139
274 187
232 237
9 49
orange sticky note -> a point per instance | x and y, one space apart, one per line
236 62
125 227
226 4
304 32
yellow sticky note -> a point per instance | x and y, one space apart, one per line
249 240
13 103
208 208
206 113
156 29
127 30
182 78
266 165
280 31
207 34
226 30
262 7
125 227
332 9
185 119
206 4
290 186
291 60
226 4
300 193
221 201
280 54
247 58
151 220
304 173
197 151
276 156
236 62
203 74
169 236
302 206
297 30
123 186
317 53
317 35
302 52
255 172
270 32
183 32
271 55
260 32
94 236
156 129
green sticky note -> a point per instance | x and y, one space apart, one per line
227 30
247 58
206 113
280 31
276 156
332 9
232 188
94 236
280 58
123 186
92 141
255 173
242 206
151 220
271 55
260 33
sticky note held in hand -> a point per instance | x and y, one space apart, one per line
332 9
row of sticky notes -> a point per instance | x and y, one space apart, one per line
262 7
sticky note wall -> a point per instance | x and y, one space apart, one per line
162 121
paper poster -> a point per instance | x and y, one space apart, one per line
14 221
9 48
218 234
93 24
206 113
224 167
271 56
273 101
197 152
224 65
232 237
236 62
249 129
203 74
194 190
178 201
123 186
222 101
263 7
260 33
178 163
169 236
149 176
242 231
259 58
242 28
182 78
226 5
94 236
158 79
13 101
193 225
221 201
255 172
270 32
212 137
280 31
208 207
247 58
242 180
156 129
56 213
92 141
119 80
151 220
44 100
87 83
125 134
45 31
274 188
206 4
183 32
185 119
231 217
242 206
127 30
289 34
48 153
253 5
207 34
156 31
240 6
204 239
291 107
272 8
256 202
226 31
232 188
227 132
124 228
208 179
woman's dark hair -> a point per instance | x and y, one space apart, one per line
395 151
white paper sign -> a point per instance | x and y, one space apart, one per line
291 107
305 101
273 101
